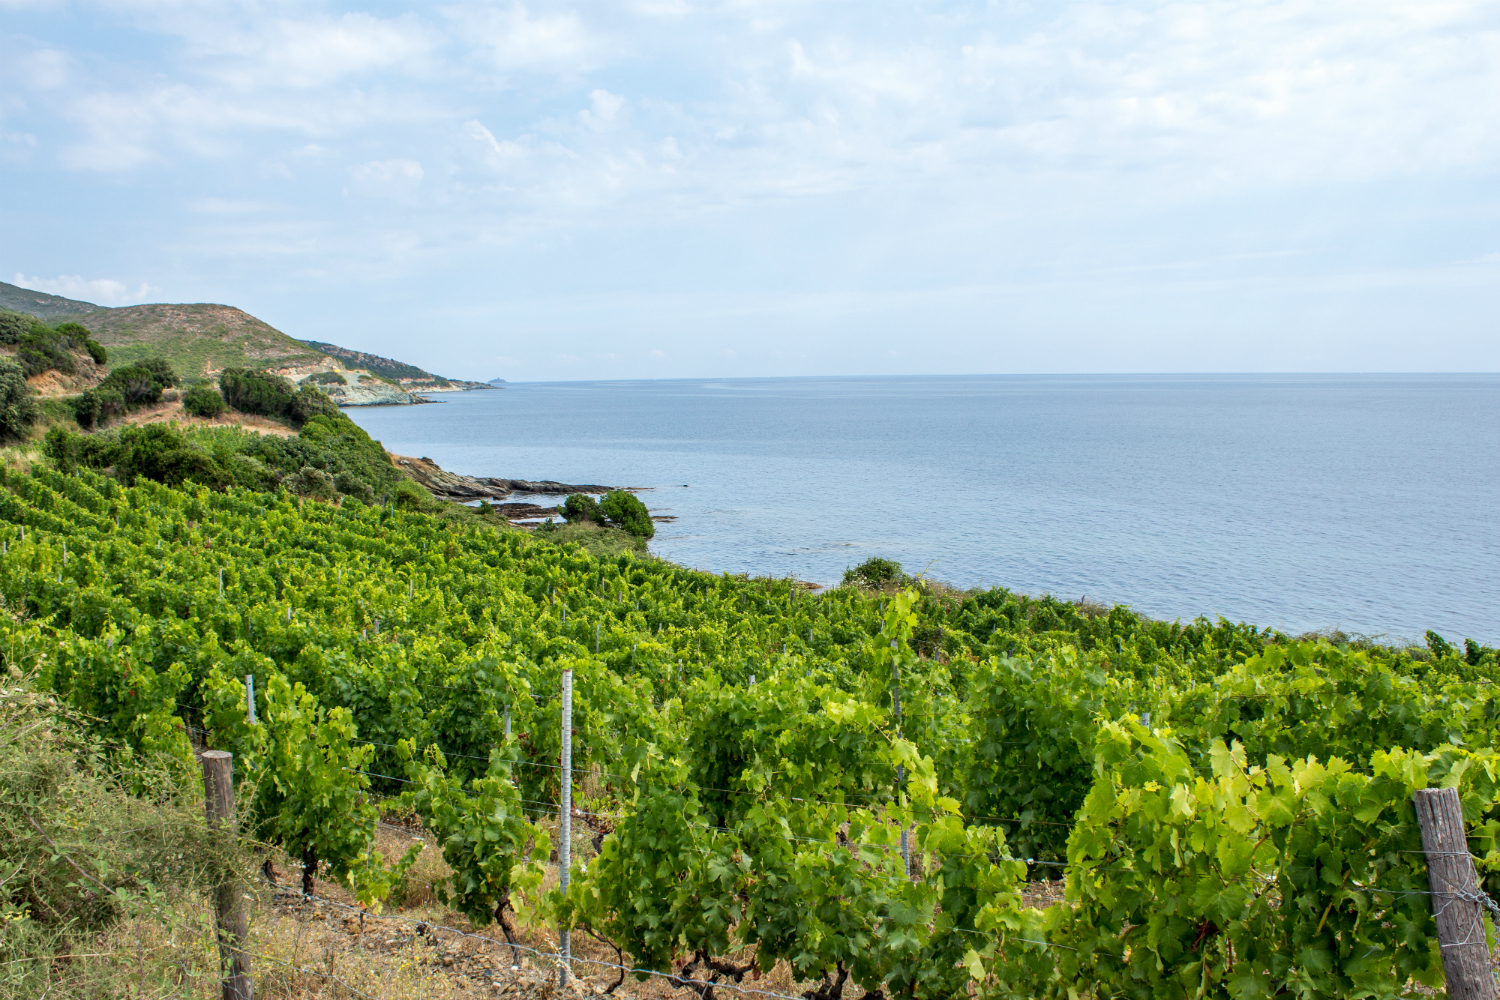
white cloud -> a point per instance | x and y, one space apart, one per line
100 291
42 69
514 39
604 106
768 148
388 178
282 52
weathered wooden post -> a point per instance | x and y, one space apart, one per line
233 915
1456 900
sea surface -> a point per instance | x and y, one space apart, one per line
1366 503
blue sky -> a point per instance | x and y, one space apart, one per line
668 188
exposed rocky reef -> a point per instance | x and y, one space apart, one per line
451 486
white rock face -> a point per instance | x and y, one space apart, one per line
365 389
359 388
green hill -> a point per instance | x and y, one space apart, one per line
197 339
201 339
42 305
397 371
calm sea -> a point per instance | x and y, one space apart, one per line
1365 503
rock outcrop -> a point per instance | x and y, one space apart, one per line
451 486
366 390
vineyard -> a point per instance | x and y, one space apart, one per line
860 784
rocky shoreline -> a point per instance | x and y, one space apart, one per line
447 485
466 489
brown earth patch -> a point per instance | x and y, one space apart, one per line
169 411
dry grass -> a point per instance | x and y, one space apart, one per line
170 410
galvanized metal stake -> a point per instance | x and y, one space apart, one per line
250 698
565 820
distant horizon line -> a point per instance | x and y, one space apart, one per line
959 375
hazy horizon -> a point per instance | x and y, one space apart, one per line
669 189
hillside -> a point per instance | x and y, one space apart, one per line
197 339
42 305
201 339
408 376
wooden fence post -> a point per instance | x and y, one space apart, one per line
233 915
1456 900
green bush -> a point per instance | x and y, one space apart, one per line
96 407
876 572
315 484
268 395
18 409
582 507
203 400
624 510
13 326
96 351
41 348
140 384
69 450
351 485
411 496
160 452
326 378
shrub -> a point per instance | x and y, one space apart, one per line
326 378
161 372
876 572
625 510
203 400
69 450
255 392
140 384
270 395
350 485
95 407
13 326
313 483
408 494
582 507
41 348
18 409
159 452
96 351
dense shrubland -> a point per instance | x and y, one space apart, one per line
1230 807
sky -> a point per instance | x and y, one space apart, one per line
670 189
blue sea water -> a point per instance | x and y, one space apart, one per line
1362 502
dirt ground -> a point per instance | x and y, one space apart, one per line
171 409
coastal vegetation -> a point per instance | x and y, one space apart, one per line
618 508
18 406
1226 808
